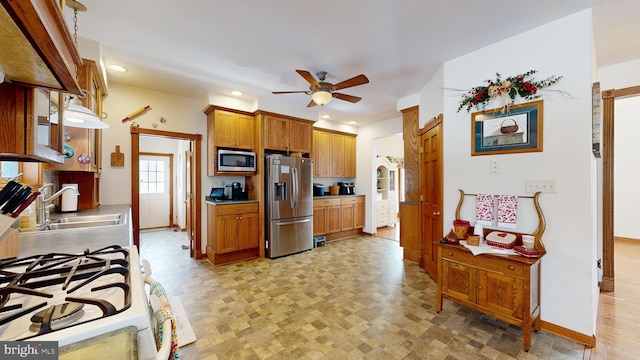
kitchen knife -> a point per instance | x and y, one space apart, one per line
25 203
15 201
8 191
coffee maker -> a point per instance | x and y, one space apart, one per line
238 192
347 188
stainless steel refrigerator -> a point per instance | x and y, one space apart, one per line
289 210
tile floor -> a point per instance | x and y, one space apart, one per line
351 299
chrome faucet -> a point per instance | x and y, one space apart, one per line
42 210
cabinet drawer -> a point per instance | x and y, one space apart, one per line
235 209
499 264
382 205
352 200
326 202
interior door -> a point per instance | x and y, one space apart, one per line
431 194
155 191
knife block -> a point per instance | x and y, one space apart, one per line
9 244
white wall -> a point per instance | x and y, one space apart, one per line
569 275
183 115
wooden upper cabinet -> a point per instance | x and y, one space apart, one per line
37 47
86 142
25 132
234 130
334 154
286 134
350 156
321 154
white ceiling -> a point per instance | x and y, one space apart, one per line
197 47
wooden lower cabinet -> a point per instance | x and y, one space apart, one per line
233 232
338 217
506 287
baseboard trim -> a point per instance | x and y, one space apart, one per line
607 284
587 340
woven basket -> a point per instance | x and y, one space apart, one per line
508 128
473 240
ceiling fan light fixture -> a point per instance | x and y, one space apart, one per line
321 97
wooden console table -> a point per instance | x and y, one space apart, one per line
506 287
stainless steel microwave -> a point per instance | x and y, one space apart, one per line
236 161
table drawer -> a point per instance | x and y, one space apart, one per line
494 263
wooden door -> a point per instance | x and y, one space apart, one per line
337 155
156 193
334 220
276 133
224 129
350 156
348 217
431 194
227 233
245 132
319 221
300 136
500 293
359 214
322 153
248 231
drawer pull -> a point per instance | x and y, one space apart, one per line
511 267
450 253
479 287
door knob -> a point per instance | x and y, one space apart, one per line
436 213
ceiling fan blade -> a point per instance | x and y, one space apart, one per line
307 76
350 98
311 104
288 92
354 81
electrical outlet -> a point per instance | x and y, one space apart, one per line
547 186
599 263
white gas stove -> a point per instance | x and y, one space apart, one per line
73 297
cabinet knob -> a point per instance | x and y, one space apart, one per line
479 287
436 213
450 253
511 267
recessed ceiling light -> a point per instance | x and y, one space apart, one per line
352 122
118 68
326 116
236 93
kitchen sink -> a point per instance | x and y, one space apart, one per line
86 221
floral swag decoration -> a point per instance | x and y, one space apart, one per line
508 90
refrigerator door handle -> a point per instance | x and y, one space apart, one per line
293 222
294 188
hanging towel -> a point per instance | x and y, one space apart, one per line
507 211
484 209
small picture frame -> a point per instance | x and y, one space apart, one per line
516 130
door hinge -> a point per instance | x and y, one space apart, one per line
421 197
421 150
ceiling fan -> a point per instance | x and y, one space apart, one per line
322 92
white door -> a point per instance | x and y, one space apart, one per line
155 190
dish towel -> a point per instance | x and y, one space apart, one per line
507 211
484 209
163 313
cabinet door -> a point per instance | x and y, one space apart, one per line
226 233
224 129
350 156
500 293
348 217
458 281
322 160
245 132
248 231
319 221
334 219
359 214
337 155
300 135
276 133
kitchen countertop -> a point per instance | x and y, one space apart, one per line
118 344
210 200
77 240
335 196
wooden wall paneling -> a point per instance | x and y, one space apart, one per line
410 207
